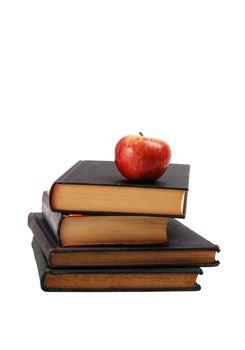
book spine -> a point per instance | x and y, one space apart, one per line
53 219
46 245
41 262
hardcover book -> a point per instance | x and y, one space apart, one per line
97 186
84 229
120 279
186 248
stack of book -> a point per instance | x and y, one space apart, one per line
100 232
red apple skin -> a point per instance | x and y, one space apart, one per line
142 159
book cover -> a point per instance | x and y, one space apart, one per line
186 248
114 279
84 229
97 186
105 173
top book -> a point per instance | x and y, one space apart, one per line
98 187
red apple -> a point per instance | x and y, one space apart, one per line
140 158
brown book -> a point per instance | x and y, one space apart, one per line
84 229
185 248
97 186
114 279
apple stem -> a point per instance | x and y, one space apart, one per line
141 134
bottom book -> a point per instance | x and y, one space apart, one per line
114 279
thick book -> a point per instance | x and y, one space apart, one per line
84 229
114 279
97 186
186 248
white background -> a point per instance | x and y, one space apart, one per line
75 76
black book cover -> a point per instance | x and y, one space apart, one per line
44 269
180 237
105 173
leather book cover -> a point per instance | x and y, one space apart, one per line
44 269
105 173
180 237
